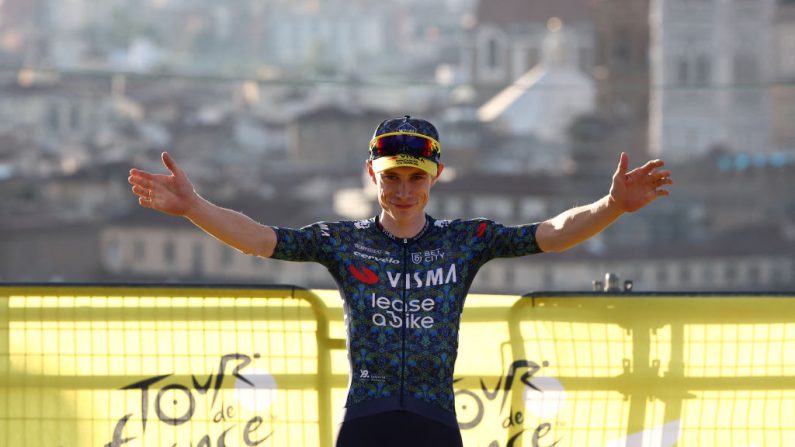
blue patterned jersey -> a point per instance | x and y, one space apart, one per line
403 300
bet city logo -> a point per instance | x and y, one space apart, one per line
427 256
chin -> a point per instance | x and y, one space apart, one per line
405 212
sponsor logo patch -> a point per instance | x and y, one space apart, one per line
364 274
416 280
380 259
396 313
362 224
427 256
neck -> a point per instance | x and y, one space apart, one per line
403 228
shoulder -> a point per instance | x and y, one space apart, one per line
463 223
341 228
465 226
357 224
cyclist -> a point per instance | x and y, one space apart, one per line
402 274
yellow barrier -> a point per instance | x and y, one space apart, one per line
140 366
112 366
659 370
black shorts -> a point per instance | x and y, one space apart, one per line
397 429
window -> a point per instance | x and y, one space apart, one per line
549 278
226 255
168 252
74 117
621 49
533 57
53 119
585 59
662 275
703 69
730 273
709 275
493 56
198 259
684 275
510 277
776 275
754 275
786 55
682 70
113 253
139 249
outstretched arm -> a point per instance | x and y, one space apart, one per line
174 194
629 192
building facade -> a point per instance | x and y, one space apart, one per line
710 68
506 39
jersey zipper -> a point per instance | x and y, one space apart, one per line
403 326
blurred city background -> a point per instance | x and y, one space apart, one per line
269 105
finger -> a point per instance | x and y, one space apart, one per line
143 201
623 163
651 165
661 174
661 192
171 164
137 173
137 180
664 181
658 179
142 192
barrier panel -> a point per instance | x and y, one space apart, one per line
164 366
657 369
231 366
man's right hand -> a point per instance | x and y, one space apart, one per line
171 194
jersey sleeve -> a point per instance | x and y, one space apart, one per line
511 241
307 244
500 241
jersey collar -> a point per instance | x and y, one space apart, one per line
384 231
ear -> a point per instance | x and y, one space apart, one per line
438 174
370 171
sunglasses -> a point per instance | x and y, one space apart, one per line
408 143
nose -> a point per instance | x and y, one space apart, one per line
403 189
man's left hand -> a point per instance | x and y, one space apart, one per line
637 188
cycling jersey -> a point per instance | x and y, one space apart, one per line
403 299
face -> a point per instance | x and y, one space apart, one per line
403 192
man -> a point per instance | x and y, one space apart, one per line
402 274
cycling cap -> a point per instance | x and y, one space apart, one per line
405 141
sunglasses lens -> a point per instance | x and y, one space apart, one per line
404 144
